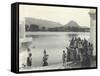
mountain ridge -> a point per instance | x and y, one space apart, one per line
42 23
46 25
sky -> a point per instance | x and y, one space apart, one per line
58 14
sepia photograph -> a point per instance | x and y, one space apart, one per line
54 37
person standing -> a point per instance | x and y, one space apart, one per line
64 58
72 42
45 58
29 60
68 54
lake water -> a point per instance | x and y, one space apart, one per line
53 42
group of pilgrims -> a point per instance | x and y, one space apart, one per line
79 51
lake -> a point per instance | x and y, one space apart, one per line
53 42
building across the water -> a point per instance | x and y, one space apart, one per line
23 40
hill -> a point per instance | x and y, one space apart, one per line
33 24
72 24
42 23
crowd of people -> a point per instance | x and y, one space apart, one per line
78 51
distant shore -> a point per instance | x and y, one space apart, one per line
47 32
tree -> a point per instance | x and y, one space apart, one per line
43 28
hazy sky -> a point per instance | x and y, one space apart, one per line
58 14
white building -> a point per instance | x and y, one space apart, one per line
22 35
92 14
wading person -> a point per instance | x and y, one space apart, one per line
64 58
45 58
29 60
